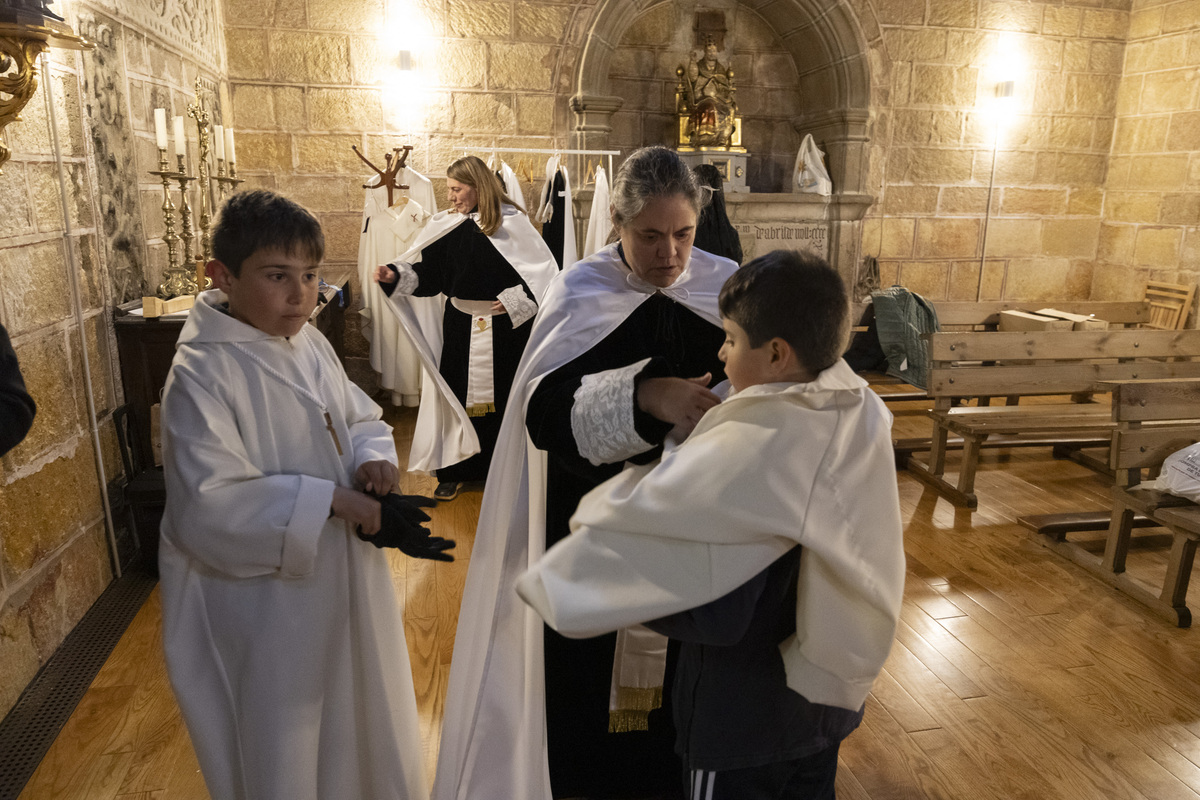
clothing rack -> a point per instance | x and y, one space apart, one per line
549 151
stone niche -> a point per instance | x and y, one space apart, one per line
798 70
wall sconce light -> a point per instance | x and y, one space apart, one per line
404 61
27 29
1005 89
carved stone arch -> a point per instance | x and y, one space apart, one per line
828 40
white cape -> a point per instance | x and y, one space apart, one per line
494 727
771 467
444 434
386 233
512 184
282 631
600 218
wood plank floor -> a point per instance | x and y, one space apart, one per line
1015 674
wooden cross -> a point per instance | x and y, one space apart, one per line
329 427
395 162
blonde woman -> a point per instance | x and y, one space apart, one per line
488 263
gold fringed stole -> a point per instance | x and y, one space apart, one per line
633 707
479 409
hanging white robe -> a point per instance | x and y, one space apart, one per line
281 629
772 466
600 219
387 232
493 730
512 184
444 434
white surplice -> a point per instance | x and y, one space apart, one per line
772 466
281 629
494 727
600 218
387 232
512 184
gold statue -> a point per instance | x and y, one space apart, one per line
708 111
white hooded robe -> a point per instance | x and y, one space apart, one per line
282 632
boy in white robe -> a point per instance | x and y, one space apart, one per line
780 644
282 633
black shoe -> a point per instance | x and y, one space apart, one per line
447 490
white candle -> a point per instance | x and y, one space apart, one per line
180 140
160 127
219 141
229 156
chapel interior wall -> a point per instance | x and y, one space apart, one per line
1151 224
54 550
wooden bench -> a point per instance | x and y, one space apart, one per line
986 316
1152 419
985 364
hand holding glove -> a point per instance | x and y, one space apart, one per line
401 528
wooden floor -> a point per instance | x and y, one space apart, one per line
1015 674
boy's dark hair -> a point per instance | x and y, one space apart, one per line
260 219
795 296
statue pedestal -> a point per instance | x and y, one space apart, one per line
732 165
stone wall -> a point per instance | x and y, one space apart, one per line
54 551
1152 199
933 149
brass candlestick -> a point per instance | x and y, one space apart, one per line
226 183
179 278
185 211
170 237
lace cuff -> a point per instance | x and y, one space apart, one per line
519 306
602 416
407 279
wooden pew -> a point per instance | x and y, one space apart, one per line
983 364
986 316
1152 419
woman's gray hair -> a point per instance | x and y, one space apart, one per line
648 173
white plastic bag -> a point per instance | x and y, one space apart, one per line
810 174
1180 474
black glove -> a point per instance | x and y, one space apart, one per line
400 527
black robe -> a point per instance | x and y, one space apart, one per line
584 758
554 232
16 406
464 264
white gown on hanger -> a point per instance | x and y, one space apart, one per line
599 221
385 234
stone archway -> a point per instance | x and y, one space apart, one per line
828 41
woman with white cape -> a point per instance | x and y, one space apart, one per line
491 268
621 355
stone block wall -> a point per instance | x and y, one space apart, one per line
661 39
963 213
1151 225
54 549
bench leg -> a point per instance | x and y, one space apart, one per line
937 450
1179 570
1116 547
970 461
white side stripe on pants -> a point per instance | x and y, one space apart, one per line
702 784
